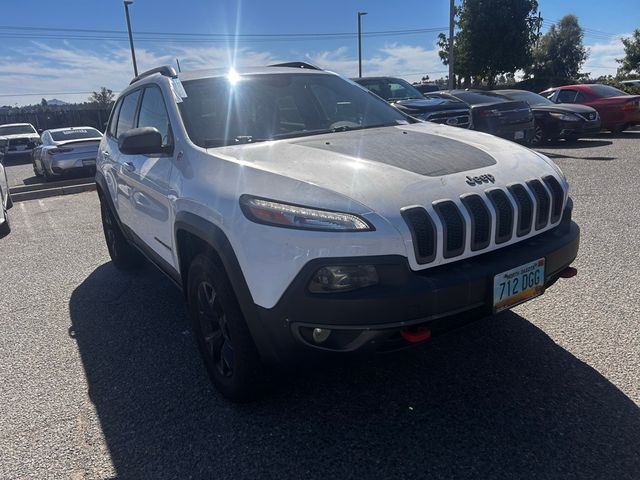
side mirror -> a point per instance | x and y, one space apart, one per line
141 141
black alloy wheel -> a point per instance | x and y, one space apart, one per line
123 255
212 320
221 333
538 135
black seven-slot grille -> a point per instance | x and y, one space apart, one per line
535 208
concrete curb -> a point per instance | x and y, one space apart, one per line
31 193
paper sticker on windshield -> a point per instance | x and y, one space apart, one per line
177 89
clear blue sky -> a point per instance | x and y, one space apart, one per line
57 62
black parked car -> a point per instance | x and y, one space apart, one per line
554 121
496 114
407 98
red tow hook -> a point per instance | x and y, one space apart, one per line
415 335
569 272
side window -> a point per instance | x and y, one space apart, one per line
567 96
127 113
111 130
581 98
153 113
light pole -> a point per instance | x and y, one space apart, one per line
360 15
133 52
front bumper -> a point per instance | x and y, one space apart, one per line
571 129
439 299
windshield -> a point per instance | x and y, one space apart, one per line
219 112
16 130
529 97
604 91
391 89
75 134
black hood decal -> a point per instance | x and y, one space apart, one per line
417 152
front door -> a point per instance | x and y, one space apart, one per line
147 180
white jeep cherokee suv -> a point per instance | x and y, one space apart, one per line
304 217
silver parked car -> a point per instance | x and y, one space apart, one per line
5 200
66 150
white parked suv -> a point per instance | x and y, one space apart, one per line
305 218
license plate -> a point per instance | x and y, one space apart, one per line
88 163
519 135
518 285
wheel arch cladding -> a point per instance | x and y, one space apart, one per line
194 234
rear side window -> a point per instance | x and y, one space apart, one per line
114 119
127 113
567 96
153 113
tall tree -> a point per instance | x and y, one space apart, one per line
631 61
494 37
103 98
560 54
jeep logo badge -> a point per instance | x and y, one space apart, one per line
486 178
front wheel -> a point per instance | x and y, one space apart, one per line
538 136
225 343
123 255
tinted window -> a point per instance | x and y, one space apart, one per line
114 119
581 97
153 113
219 112
75 134
566 96
17 130
391 88
473 98
604 91
127 113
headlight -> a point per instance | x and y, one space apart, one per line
269 212
565 117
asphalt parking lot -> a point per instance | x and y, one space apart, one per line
100 377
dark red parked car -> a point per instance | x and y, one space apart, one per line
618 110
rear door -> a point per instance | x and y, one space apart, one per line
147 179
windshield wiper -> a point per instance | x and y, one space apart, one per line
239 140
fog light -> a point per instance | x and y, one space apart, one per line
342 278
320 334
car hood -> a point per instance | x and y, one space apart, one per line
386 169
428 104
563 108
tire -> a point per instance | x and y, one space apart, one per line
618 128
571 138
5 228
123 255
223 338
9 202
538 137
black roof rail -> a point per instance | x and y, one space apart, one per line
309 66
165 70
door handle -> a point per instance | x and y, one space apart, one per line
129 166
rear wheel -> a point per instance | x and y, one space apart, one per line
5 227
123 255
225 343
619 128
